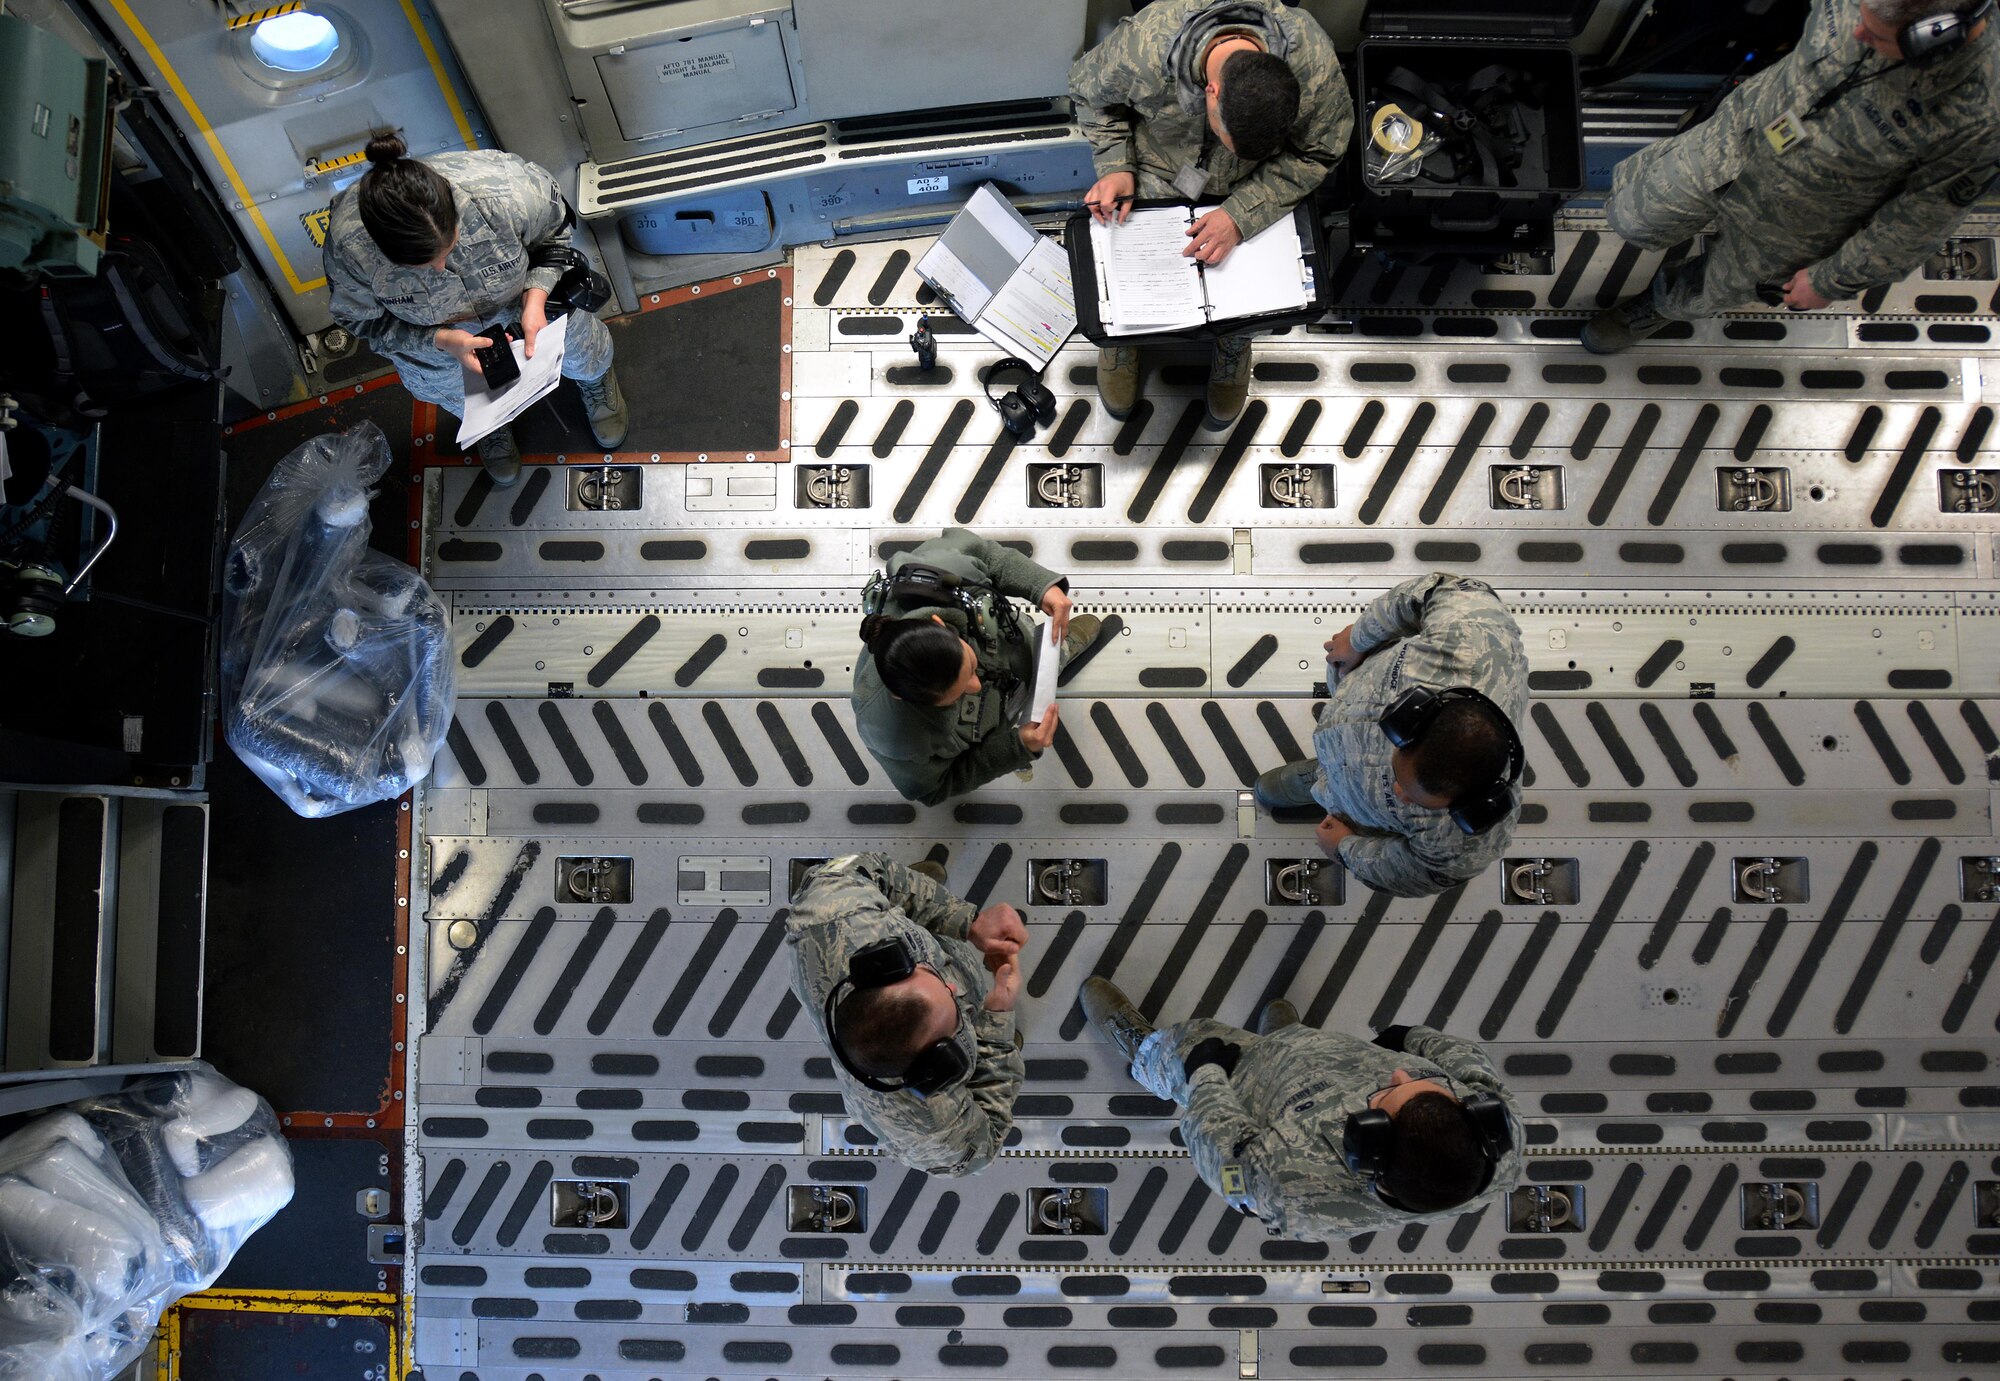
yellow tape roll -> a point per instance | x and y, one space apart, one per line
1395 131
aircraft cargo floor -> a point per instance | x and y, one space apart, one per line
1759 630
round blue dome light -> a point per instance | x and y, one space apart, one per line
297 42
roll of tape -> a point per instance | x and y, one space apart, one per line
1395 131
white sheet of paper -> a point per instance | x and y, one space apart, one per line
1035 311
1260 275
487 412
963 293
1152 286
1047 664
1002 221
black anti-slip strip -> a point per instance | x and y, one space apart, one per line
1823 934
932 464
1456 464
1622 467
1517 978
1677 904
1683 464
1399 460
1593 938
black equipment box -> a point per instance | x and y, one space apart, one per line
1499 85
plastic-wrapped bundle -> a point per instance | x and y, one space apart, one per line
336 659
115 1207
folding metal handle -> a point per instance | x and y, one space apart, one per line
1291 486
1289 883
1516 488
1765 869
1756 492
1525 881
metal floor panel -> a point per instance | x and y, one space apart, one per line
1809 674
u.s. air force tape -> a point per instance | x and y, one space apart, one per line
1395 131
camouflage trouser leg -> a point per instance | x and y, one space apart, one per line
437 378
1158 1063
1665 194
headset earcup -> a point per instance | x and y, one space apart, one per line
1016 416
1038 397
1479 813
30 601
942 1065
1365 1143
1410 714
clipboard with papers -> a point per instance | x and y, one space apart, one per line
1136 287
1002 277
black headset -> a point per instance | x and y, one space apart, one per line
877 966
1368 1143
1410 716
1927 42
1023 407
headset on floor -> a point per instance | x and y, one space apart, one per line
886 962
1368 1142
1022 408
1409 717
1927 42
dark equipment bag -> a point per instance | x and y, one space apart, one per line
127 333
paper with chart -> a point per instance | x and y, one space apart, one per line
1147 283
1002 277
486 412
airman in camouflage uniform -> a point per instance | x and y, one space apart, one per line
1437 631
507 209
1140 99
848 903
934 752
1879 163
1267 1135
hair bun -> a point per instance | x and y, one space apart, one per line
871 627
387 147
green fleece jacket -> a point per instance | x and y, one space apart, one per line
935 752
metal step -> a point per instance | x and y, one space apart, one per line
104 929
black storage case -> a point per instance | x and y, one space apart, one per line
1445 43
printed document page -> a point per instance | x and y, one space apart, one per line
1149 285
1035 311
1263 274
487 412
1048 661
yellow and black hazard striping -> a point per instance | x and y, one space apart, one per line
328 165
256 17
316 223
220 1332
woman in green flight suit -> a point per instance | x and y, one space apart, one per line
939 687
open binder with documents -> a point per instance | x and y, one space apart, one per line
1135 284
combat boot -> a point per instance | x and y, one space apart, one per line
1276 1016
1118 380
609 417
1624 326
501 456
1228 381
1083 631
1114 1016
1290 785
933 871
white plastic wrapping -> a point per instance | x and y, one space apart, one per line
336 659
115 1207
